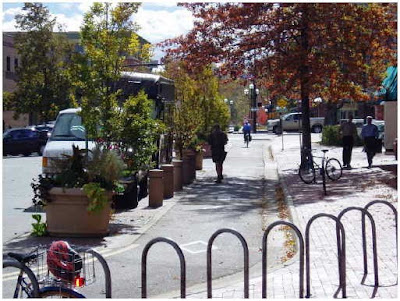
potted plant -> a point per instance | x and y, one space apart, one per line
77 200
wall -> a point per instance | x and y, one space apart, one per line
390 123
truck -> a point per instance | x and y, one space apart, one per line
292 122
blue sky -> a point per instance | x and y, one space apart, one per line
158 20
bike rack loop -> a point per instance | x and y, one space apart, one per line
107 273
341 255
394 212
364 242
245 255
264 257
181 259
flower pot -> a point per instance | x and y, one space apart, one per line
199 160
67 214
129 198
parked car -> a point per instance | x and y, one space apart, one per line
292 122
23 141
45 128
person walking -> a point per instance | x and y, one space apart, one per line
348 130
370 133
217 141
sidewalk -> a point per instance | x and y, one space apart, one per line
357 187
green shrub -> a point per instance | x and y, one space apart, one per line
331 136
236 128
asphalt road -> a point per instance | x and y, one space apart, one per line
18 173
243 202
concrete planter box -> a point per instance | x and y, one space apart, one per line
67 214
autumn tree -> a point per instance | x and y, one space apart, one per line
300 50
43 84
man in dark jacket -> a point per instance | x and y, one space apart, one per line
217 141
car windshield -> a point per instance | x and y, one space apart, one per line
68 127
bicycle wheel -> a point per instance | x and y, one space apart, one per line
333 169
59 292
307 173
247 140
27 285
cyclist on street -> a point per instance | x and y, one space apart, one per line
246 130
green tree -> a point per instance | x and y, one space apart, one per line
199 104
137 132
43 84
107 36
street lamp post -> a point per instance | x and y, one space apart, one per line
253 92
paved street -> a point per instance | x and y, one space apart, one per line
246 202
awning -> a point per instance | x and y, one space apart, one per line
389 90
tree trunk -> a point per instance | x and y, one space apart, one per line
305 87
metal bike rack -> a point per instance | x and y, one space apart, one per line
340 238
106 269
264 257
395 220
245 255
364 242
394 213
181 259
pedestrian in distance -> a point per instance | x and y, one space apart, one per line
217 141
370 133
348 130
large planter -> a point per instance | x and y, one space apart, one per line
188 166
67 214
129 198
199 160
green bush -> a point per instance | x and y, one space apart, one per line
236 128
331 136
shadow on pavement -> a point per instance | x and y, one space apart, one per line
352 182
233 197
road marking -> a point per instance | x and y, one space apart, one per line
202 248
211 207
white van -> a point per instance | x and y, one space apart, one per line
68 130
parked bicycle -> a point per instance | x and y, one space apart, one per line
57 271
330 167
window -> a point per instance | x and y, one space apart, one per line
15 63
8 63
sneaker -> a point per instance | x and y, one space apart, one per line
349 166
218 181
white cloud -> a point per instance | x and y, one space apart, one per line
11 12
158 25
9 18
69 23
